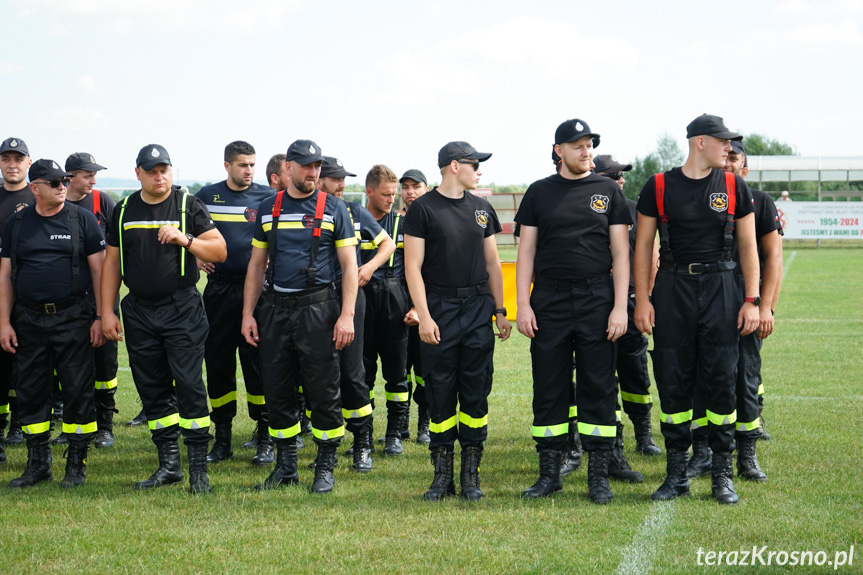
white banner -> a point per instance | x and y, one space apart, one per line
821 220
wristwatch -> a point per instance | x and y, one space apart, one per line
191 237
753 300
500 312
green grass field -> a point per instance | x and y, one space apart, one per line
378 523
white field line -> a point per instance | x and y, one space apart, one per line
786 267
639 555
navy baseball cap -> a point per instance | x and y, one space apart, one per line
710 125
333 168
14 145
737 147
304 152
572 130
415 175
608 164
46 170
82 161
459 151
151 156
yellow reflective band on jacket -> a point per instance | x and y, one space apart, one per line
597 430
397 397
4 409
550 430
79 428
110 384
197 423
721 418
443 425
285 433
760 389
396 240
224 400
682 417
36 428
260 244
474 422
748 426
255 399
295 225
324 434
700 422
216 217
164 422
573 411
357 413
346 242
635 398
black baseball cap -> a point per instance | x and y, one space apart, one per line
459 151
608 164
415 175
737 147
151 156
82 161
333 168
710 125
573 130
14 145
304 152
46 170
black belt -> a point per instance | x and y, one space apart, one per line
378 283
54 307
227 278
696 269
562 285
181 293
301 298
481 289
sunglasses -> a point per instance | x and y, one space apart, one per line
475 165
615 176
56 183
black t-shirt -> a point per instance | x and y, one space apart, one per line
44 253
766 221
573 218
106 208
696 212
392 223
152 269
367 230
633 232
454 231
235 214
11 202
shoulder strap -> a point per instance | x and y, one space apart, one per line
391 263
97 203
184 215
311 272
728 237
664 242
16 226
76 248
277 211
120 233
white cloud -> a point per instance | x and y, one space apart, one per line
7 69
73 119
87 84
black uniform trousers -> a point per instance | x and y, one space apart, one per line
165 340
695 353
458 371
49 342
414 370
632 371
572 317
223 300
297 349
6 387
105 358
356 399
386 335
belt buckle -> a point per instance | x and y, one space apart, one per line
50 308
462 292
693 272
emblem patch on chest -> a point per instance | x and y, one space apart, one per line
599 203
251 215
482 218
719 202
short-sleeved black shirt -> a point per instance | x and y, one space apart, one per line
152 269
106 208
393 224
696 212
44 253
572 218
766 221
454 231
11 202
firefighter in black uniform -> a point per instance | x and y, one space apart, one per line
456 284
698 210
298 322
83 193
155 236
414 185
356 396
15 195
52 326
578 306
233 205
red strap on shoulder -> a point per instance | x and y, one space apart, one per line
731 188
319 212
277 205
659 180
97 203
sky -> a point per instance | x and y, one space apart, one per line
392 81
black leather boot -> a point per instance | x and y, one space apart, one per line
15 435
222 449
169 470
264 453
199 483
395 423
38 464
764 435
722 468
747 461
443 483
406 425
699 465
644 443
253 442
362 451
2 440
104 430
140 419
76 465
676 483
470 460
324 465
618 466
423 421
549 475
597 476
571 460
285 472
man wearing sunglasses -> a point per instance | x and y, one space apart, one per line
52 256
456 284
15 195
